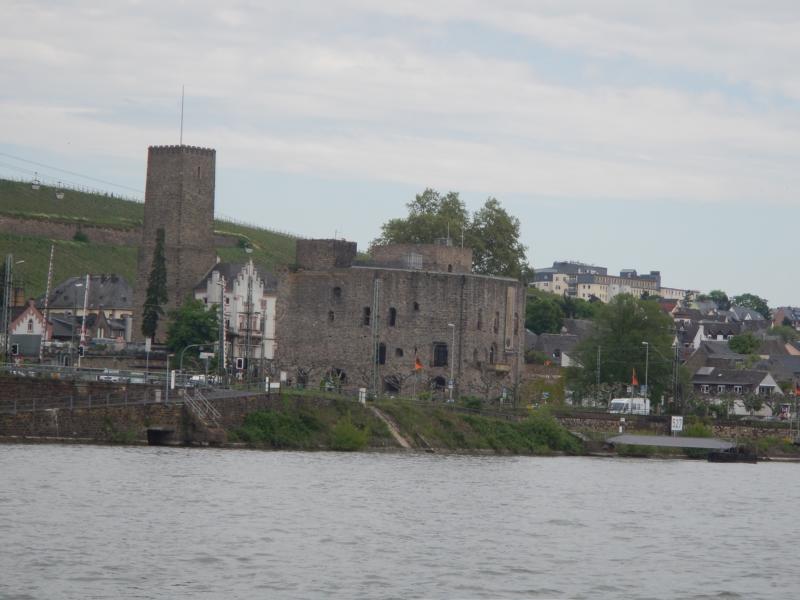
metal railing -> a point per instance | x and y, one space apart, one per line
94 400
202 408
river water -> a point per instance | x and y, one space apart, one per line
135 522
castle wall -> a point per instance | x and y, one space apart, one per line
325 254
429 257
321 326
179 197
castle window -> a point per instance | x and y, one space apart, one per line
475 355
198 172
496 324
480 319
439 354
449 268
516 323
398 352
365 319
331 316
391 384
392 316
381 354
416 306
337 294
492 353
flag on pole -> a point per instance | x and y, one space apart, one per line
634 380
417 364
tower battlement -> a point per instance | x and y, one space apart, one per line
181 150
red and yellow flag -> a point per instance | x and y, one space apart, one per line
634 380
417 364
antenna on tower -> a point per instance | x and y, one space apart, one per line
182 94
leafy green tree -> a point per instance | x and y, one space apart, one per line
543 313
746 343
156 294
718 297
491 232
430 216
191 324
786 333
752 403
621 327
494 238
578 308
753 302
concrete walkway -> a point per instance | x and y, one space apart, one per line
392 428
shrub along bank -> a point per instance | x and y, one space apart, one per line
442 428
333 425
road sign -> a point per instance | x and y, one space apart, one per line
677 424
148 344
206 355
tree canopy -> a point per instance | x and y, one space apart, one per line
543 313
191 324
753 302
491 232
718 297
156 294
621 328
745 343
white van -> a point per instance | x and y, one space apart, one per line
629 406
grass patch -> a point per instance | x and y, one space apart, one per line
347 437
539 433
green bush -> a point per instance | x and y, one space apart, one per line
472 403
80 237
279 429
697 429
346 437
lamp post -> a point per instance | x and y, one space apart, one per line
452 361
646 366
77 284
221 356
166 395
180 367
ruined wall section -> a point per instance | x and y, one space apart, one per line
323 325
325 254
179 197
429 257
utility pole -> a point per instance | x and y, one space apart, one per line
597 392
47 302
6 315
248 336
376 291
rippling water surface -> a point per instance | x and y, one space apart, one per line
113 522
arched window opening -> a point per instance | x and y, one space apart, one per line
392 316
492 354
439 354
398 352
367 315
331 316
416 306
381 353
391 384
337 294
480 319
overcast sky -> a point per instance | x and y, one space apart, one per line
648 135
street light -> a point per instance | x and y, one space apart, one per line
452 360
180 368
646 366
74 321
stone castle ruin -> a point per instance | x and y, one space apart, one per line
399 323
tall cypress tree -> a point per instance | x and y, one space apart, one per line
156 289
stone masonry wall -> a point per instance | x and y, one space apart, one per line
325 254
179 197
321 326
434 257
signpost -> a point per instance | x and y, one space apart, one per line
676 426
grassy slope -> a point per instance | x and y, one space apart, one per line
18 199
446 429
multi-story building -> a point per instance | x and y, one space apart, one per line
581 280
248 295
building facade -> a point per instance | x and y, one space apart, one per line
248 295
400 323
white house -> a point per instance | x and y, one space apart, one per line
248 296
